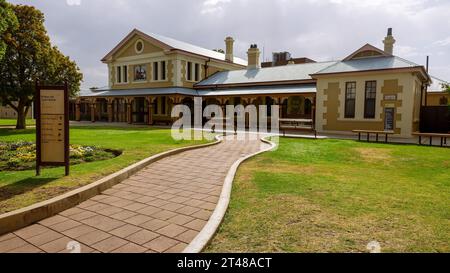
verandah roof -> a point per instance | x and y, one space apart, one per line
264 90
260 90
140 92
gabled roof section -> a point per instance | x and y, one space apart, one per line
368 64
129 37
277 74
367 51
171 44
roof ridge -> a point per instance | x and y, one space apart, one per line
280 66
335 63
158 36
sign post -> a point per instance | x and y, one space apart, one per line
52 127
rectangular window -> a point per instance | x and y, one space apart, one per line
163 70
350 96
125 73
369 103
189 71
155 71
197 72
140 73
119 74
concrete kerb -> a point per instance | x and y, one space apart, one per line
207 233
23 217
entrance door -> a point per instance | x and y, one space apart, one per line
389 114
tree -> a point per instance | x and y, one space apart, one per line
30 57
446 87
8 20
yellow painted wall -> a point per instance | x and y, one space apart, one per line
175 63
148 83
212 70
433 99
330 102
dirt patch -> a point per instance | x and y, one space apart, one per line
374 154
279 168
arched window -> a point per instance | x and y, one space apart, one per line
294 105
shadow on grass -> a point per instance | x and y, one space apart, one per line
11 131
23 186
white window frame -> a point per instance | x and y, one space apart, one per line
161 70
193 64
125 74
122 74
118 73
159 64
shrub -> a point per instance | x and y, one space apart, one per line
21 155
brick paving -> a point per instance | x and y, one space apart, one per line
159 209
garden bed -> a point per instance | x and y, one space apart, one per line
21 155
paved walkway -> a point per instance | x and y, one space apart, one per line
159 209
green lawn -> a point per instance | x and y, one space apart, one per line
12 122
337 196
22 188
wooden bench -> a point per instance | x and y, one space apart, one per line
297 124
443 137
377 133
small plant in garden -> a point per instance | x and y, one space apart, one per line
17 156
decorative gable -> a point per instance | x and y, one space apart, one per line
136 43
137 46
367 51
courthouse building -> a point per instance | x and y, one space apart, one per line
370 89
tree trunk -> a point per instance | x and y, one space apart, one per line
21 116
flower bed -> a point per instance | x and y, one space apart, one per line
19 156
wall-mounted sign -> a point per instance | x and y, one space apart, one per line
390 97
52 127
389 115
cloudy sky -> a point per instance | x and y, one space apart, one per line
319 29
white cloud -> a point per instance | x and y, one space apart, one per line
73 2
406 6
443 42
318 29
406 51
213 6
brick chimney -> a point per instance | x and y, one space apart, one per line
389 42
253 57
229 41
